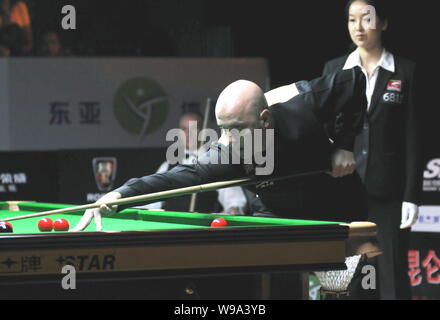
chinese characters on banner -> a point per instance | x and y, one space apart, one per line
423 268
9 181
89 113
23 265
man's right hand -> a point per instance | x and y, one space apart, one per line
98 212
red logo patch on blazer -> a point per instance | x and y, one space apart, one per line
394 85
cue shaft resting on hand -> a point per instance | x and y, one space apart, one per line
164 195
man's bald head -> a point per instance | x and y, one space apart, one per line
240 104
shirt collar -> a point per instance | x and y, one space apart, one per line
386 61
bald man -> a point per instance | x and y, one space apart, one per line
300 145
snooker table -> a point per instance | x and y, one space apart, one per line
172 255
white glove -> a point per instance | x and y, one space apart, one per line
410 215
343 163
96 213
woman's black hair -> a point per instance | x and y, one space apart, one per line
381 6
382 11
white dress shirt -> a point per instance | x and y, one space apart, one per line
386 62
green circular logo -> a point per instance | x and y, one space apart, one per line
141 106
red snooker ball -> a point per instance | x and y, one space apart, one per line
219 222
61 225
45 225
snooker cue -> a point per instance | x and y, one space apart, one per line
165 194
192 204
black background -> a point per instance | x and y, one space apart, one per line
296 37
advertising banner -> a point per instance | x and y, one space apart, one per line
86 175
29 176
424 266
89 103
424 254
74 176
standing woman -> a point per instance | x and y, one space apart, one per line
387 151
